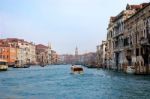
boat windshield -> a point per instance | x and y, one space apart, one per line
2 63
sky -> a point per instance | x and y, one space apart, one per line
64 23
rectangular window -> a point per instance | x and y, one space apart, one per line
137 52
3 56
0 50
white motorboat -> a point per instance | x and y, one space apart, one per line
130 70
76 69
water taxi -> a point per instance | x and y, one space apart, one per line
3 65
76 69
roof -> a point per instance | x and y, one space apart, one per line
136 7
14 39
144 6
112 18
41 46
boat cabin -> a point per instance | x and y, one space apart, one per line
76 69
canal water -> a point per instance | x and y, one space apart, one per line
56 82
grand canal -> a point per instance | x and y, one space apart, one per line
56 82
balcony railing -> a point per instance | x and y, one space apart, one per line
119 48
144 41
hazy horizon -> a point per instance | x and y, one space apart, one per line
64 23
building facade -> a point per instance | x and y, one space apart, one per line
54 57
128 40
8 53
118 31
137 40
115 55
103 54
45 55
25 51
109 42
98 56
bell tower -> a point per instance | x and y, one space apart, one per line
76 51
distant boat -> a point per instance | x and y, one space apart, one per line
130 70
76 69
22 66
42 65
26 66
3 65
16 67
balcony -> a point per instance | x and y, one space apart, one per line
144 41
118 49
118 34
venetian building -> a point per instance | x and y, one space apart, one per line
41 54
118 35
54 57
103 54
23 50
109 41
89 59
98 56
32 53
8 52
137 39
